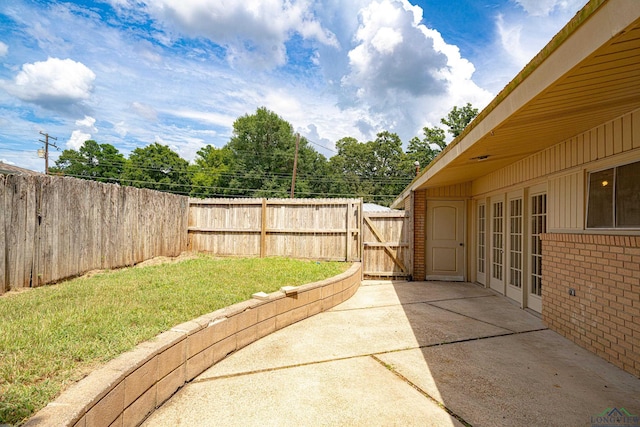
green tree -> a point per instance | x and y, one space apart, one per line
93 161
157 167
426 149
459 118
376 170
263 150
210 171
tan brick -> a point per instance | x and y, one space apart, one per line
327 291
171 358
267 311
246 336
315 308
266 327
207 336
247 318
225 347
139 410
301 299
140 380
117 422
285 304
199 363
285 319
300 313
108 409
327 303
168 385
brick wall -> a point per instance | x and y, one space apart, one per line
604 314
419 235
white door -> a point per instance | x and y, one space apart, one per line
538 226
445 240
515 250
496 264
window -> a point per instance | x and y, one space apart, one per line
538 227
614 197
497 245
481 236
515 243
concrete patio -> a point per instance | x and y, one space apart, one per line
408 353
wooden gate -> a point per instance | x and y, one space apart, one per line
387 241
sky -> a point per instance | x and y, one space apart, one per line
180 72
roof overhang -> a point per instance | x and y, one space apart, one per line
587 75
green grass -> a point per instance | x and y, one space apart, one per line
54 335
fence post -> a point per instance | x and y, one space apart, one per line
348 239
263 230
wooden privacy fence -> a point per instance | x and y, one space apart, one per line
387 244
332 229
52 228
323 229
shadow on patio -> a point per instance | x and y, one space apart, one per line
407 353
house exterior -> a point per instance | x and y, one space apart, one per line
539 198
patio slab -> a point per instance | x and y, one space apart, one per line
536 378
321 394
339 334
413 353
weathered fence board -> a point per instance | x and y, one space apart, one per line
3 238
387 244
52 228
325 229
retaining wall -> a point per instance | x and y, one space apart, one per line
129 388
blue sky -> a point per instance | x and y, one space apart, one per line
179 72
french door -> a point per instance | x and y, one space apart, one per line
515 257
496 263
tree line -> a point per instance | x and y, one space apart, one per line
258 162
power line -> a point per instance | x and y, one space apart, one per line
240 190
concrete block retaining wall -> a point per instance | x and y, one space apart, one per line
127 389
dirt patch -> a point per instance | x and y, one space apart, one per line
164 259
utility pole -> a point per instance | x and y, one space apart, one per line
295 166
46 149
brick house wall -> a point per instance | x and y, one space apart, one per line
419 234
604 314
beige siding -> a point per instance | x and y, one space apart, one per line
457 191
609 139
566 201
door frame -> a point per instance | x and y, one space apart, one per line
462 252
480 276
495 284
532 301
513 292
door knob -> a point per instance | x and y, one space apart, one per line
461 244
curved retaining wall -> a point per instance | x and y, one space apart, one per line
127 389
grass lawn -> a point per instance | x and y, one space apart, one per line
53 336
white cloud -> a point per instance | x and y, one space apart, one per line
203 116
88 122
404 74
77 139
145 111
53 83
546 7
254 32
3 49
